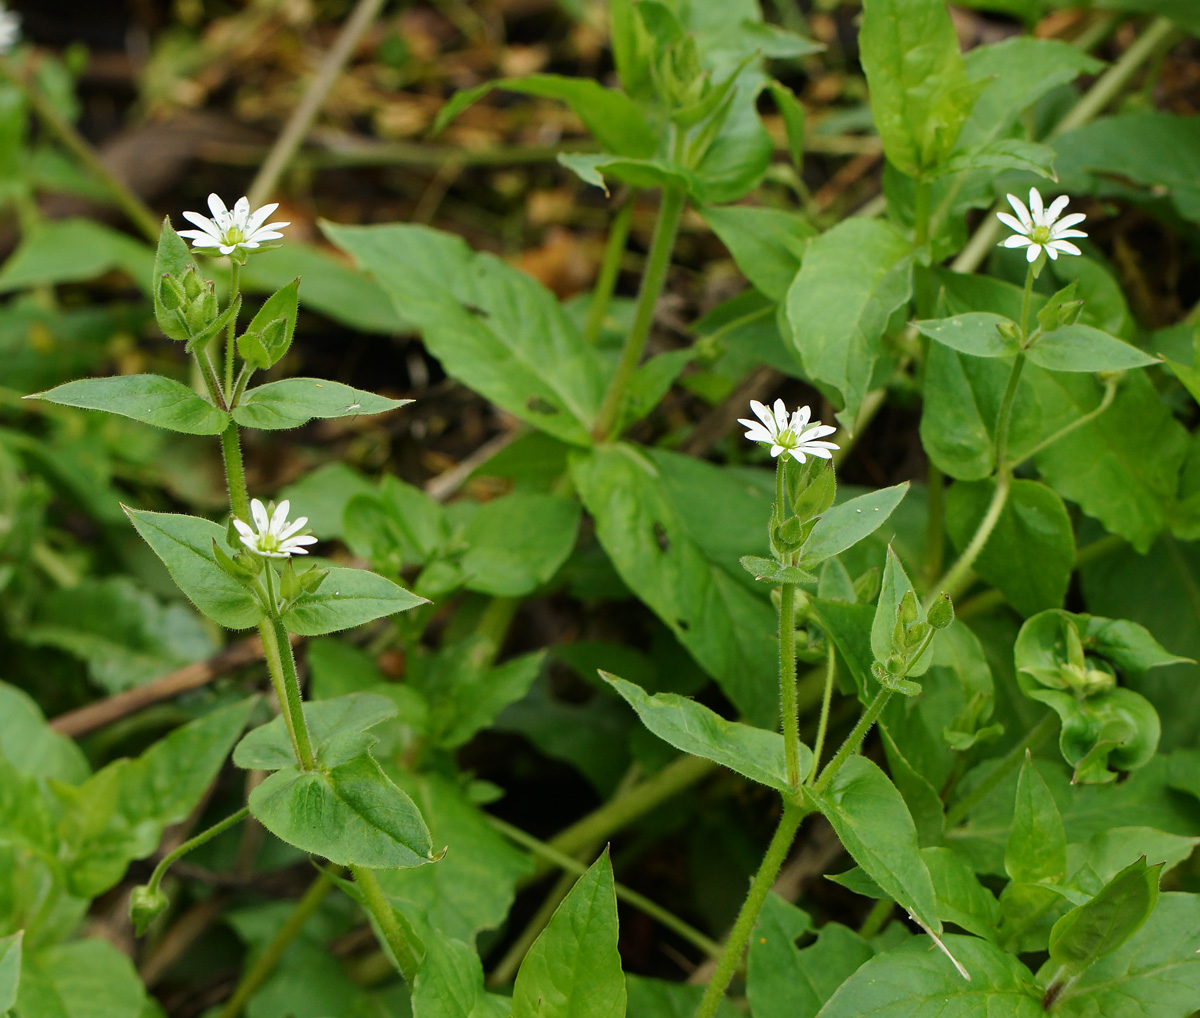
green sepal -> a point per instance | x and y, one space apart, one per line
201 338
146 905
269 334
941 612
769 571
171 261
1061 309
242 568
818 495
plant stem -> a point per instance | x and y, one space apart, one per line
1110 392
935 540
789 720
610 268
381 909
1028 292
235 282
638 901
657 263
194 843
137 210
853 740
823 723
921 213
301 120
1034 738
731 953
877 918
956 579
281 665
235 473
263 965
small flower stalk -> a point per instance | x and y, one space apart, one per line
233 232
1040 229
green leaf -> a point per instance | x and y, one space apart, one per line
334 726
920 95
1188 376
449 983
784 981
10 969
1030 553
844 525
691 727
916 980
641 505
658 998
895 585
347 598
611 116
517 543
1037 843
639 173
151 399
976 333
1158 968
793 115
1129 646
767 244
961 898
33 747
1082 348
768 570
352 815
1089 932
1002 154
171 259
492 327
184 543
282 306
853 277
874 825
73 251
81 979
292 402
573 969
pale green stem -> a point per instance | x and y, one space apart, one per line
1030 275
235 281
281 664
789 720
731 953
657 263
193 843
610 268
853 740
826 699
877 918
265 963
1110 392
385 918
235 473
953 582
921 212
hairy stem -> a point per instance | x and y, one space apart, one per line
193 843
826 699
853 740
789 720
235 473
610 268
235 282
281 664
385 918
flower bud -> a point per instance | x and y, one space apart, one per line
171 294
145 905
941 612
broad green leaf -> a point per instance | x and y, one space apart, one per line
347 598
517 543
659 998
895 585
292 402
573 969
1093 863
394 526
611 116
1037 843
640 173
333 725
81 979
916 980
784 981
1189 376
352 815
73 251
184 543
920 95
32 746
691 727
1030 553
492 327
1082 348
1121 468
1089 932
874 825
694 589
1004 154
852 278
1158 968
767 244
1127 645
449 983
842 526
151 399
324 494
976 333
961 898
10 969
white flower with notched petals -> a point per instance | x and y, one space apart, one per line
227 231
792 434
274 536
1039 229
10 29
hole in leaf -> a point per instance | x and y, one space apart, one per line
540 406
683 624
660 535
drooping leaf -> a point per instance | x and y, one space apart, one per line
291 402
151 399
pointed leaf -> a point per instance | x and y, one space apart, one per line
1082 348
976 334
843 526
151 399
1037 843
347 598
292 402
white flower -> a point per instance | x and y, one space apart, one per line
1039 229
795 436
273 539
227 231
10 29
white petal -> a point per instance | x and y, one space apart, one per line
259 512
1012 222
757 433
1071 220
250 542
279 517
1056 207
1032 253
1052 253
1065 246
821 445
781 415
762 413
292 528
1035 204
243 528
800 419
1021 211
1016 240
205 224
776 450
217 208
227 249
241 211
812 450
199 239
1059 234
259 216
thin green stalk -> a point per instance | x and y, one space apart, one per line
211 382
789 720
194 843
506 968
956 579
1110 392
138 212
281 665
853 740
826 699
1012 760
385 918
657 263
935 522
235 282
1030 275
731 953
1005 416
638 901
921 212
610 268
235 473
877 918
265 963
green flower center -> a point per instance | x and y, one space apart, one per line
1040 235
234 235
786 439
268 542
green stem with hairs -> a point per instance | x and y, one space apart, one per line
385 918
826 699
235 282
610 268
193 843
854 739
235 472
731 953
